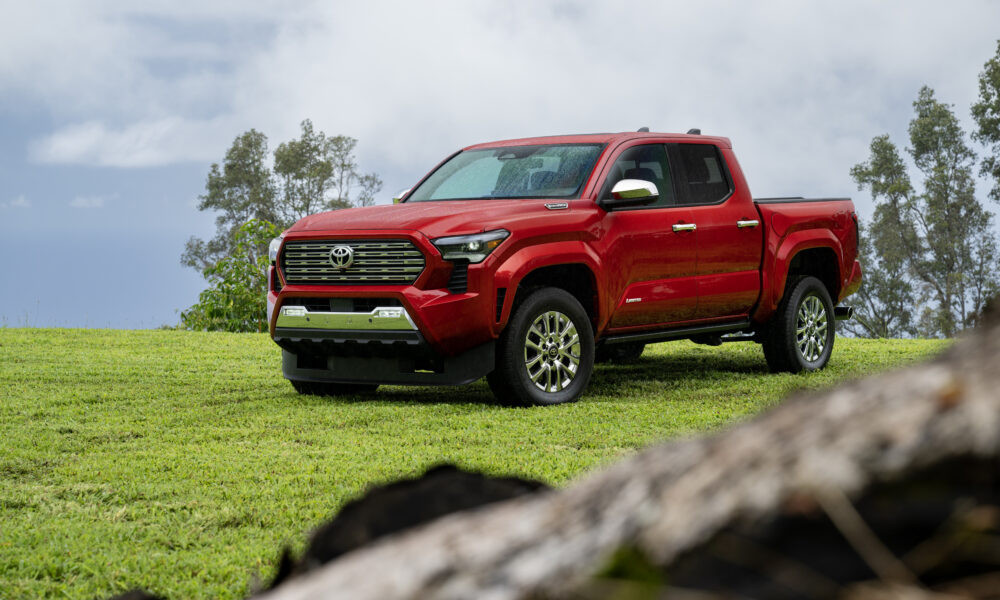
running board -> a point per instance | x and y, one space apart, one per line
664 335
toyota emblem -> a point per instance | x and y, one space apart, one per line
341 257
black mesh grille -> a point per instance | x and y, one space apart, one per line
373 262
459 281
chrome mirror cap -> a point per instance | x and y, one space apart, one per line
634 189
630 193
400 195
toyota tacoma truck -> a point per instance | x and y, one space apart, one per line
525 261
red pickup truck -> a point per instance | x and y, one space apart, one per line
525 261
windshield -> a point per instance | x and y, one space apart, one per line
552 171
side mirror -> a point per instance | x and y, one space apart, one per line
400 195
630 192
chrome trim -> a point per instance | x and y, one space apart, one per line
843 313
400 195
634 188
557 205
749 223
685 227
395 261
382 318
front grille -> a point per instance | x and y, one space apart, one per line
458 283
376 262
358 305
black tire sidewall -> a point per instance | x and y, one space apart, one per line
510 356
808 286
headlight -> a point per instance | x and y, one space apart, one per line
273 247
474 248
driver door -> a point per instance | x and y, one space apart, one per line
650 251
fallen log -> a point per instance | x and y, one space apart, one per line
819 452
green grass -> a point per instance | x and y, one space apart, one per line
181 462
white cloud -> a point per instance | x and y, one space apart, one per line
140 144
801 88
88 202
17 202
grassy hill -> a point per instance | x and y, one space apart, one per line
181 462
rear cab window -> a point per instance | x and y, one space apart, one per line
701 173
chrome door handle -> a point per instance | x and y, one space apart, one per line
685 227
751 223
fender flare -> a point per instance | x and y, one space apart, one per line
775 274
523 262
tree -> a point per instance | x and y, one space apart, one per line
312 173
887 292
942 235
317 172
986 113
242 189
235 300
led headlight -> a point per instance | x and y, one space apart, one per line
273 247
474 248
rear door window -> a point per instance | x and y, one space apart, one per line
702 174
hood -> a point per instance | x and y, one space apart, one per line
433 219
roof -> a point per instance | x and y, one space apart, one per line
602 138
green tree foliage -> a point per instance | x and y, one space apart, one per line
930 253
241 189
235 300
313 173
254 203
317 172
986 113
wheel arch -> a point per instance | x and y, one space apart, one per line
572 267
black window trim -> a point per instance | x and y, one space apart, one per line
673 179
673 152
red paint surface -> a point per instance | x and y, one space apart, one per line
685 278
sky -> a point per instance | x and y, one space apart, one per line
112 112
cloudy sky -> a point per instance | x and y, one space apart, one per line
110 114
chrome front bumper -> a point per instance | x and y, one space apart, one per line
382 318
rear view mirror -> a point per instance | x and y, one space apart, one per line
399 196
631 192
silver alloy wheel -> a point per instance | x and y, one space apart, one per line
552 351
811 325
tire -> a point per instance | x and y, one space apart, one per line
539 341
325 388
801 333
619 353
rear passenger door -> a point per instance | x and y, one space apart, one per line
729 233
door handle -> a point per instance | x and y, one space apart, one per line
750 223
685 227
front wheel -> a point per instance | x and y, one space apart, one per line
546 354
800 335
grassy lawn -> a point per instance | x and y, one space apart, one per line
181 462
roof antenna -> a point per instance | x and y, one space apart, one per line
643 130
694 131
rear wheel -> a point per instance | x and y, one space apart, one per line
546 353
329 388
800 335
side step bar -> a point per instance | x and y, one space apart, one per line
843 313
676 333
